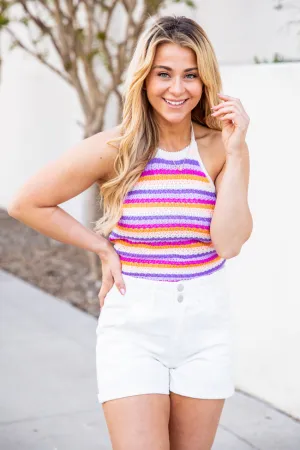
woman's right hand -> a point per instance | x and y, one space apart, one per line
111 273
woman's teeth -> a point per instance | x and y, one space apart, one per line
175 103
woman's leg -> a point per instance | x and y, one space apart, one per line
138 422
193 422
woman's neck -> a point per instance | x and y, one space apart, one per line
175 137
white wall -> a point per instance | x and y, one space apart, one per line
265 275
38 114
241 29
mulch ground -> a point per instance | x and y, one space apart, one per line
59 269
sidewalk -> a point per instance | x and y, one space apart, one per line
48 383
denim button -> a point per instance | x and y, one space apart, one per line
180 298
180 287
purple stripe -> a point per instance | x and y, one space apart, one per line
164 225
159 241
162 222
149 224
174 277
175 216
153 161
175 255
170 200
166 191
181 197
174 263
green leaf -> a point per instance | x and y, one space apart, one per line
92 54
277 58
104 60
101 35
24 21
68 66
79 32
4 5
154 5
13 45
188 3
3 21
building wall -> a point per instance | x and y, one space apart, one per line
242 29
264 276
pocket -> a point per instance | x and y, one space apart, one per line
215 287
213 304
113 312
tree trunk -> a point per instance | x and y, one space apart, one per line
93 214
93 210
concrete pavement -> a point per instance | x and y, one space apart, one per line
48 383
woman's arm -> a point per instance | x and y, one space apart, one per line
232 223
36 202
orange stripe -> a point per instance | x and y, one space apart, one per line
159 229
168 266
175 177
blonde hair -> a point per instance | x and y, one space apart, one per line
139 130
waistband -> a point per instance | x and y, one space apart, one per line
219 277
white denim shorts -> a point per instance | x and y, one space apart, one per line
163 337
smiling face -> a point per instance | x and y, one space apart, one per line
173 84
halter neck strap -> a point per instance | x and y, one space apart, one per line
192 132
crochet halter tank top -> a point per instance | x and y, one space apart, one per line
164 231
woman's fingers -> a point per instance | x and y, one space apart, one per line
220 105
231 109
229 101
111 274
119 282
106 286
226 109
232 116
229 98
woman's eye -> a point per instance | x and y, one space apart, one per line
188 75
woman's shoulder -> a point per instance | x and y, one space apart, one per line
211 148
106 135
207 135
109 151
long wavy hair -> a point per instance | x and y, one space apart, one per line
139 135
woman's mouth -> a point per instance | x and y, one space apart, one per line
175 104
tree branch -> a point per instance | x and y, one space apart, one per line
38 56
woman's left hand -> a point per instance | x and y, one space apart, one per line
236 122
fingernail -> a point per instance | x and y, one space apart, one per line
122 291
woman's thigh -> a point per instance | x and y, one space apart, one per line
138 422
193 422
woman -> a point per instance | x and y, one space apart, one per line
174 181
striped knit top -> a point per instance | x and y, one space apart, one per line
164 231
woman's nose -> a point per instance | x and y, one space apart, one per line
177 86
